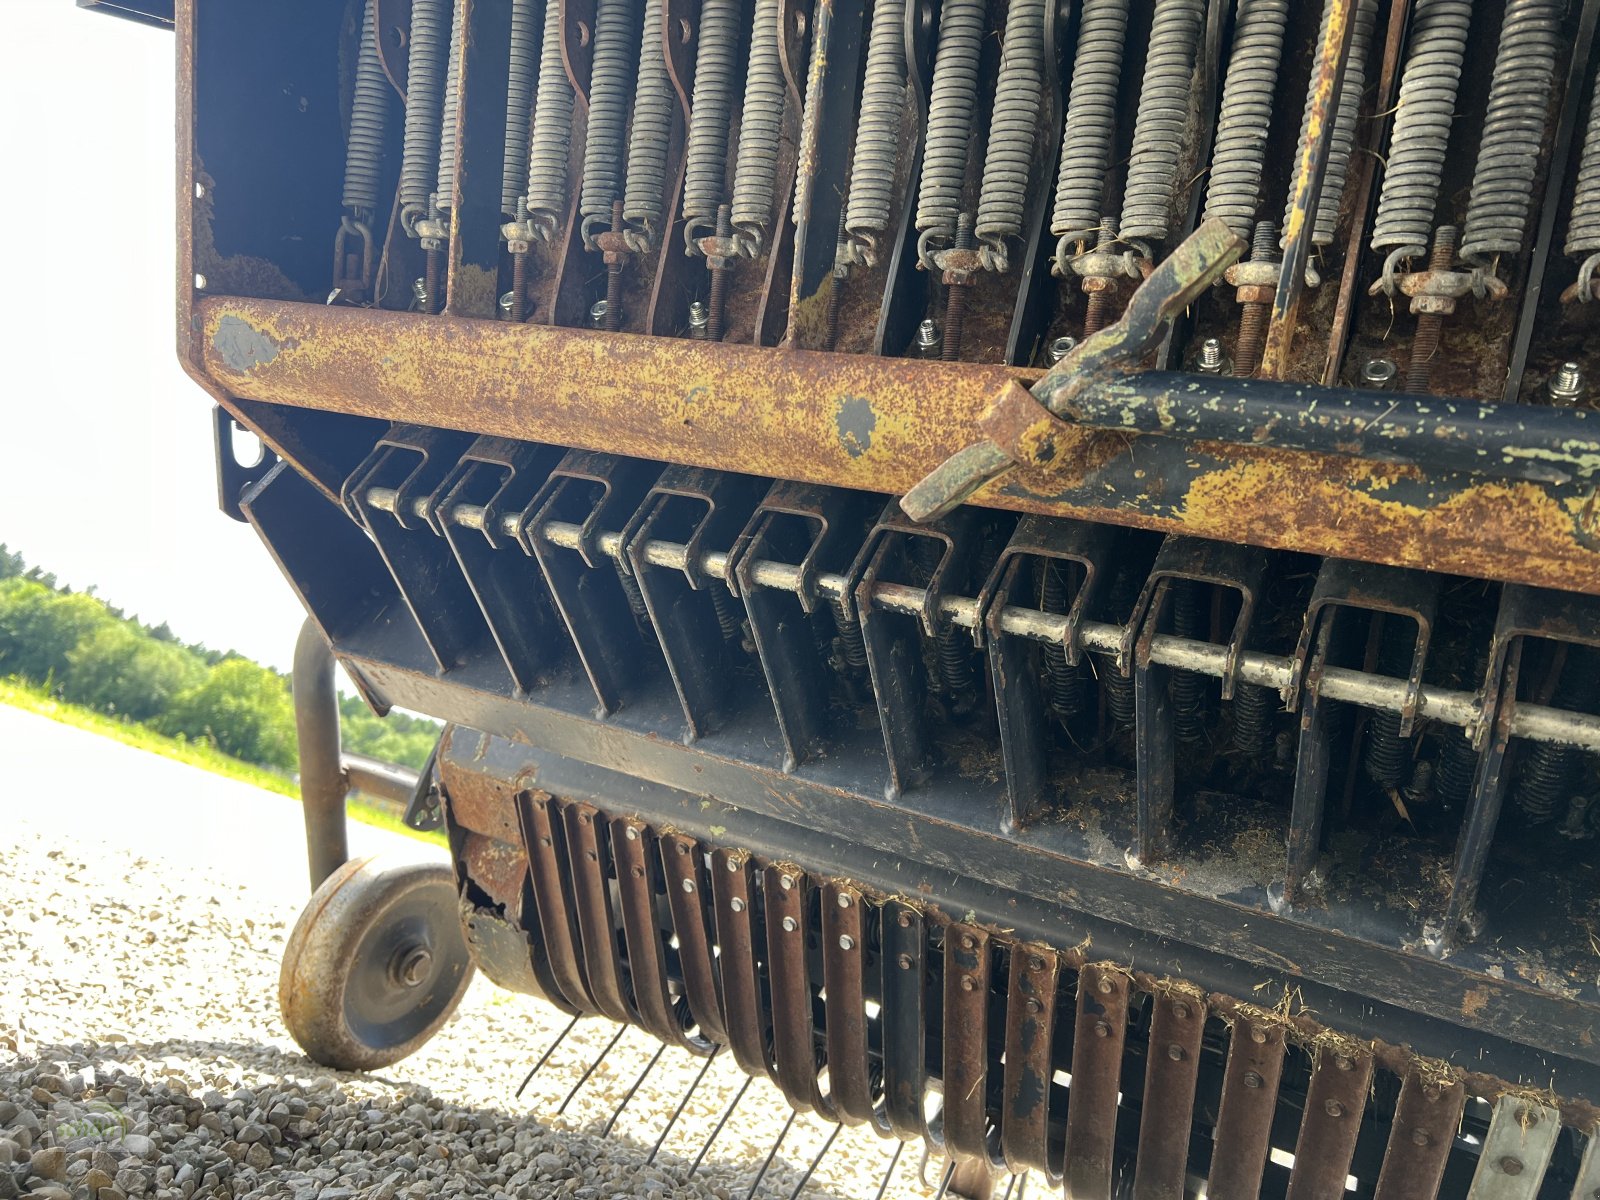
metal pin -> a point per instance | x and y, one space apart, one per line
944 1184
584 1078
1022 1185
1010 1183
806 1178
889 1174
771 1154
721 1121
545 1057
678 1112
648 1067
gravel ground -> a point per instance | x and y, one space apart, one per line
141 1053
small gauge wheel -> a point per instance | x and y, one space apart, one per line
376 964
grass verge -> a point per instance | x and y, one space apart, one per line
30 697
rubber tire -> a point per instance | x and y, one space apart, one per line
354 904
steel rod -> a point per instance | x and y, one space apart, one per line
323 784
1448 706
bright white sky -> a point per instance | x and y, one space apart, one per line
106 473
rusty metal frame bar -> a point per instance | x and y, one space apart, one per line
882 424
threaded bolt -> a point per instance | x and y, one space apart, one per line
1060 348
1430 326
614 276
699 318
719 279
1097 313
597 314
1567 386
519 285
435 266
1254 316
830 337
955 306
927 344
1211 360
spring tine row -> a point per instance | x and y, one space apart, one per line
687 895
1335 1101
545 1057
683 1101
1177 1029
795 1042
844 958
1102 1025
1249 1098
1029 1066
967 963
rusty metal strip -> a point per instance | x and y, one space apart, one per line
904 1025
1249 1096
1420 1138
844 958
1522 1136
741 987
794 1040
557 931
1030 1024
632 845
591 894
681 863
1096 1073
864 422
966 1040
1177 1029
1332 1121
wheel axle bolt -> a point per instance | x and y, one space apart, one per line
411 965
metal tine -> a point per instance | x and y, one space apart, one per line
678 1111
590 1070
1420 1138
545 1057
894 1160
1101 1026
627 1096
1335 1099
721 1121
944 1183
1249 1095
806 1178
1516 1150
771 1154
1011 1182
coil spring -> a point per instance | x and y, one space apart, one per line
1066 682
852 646
1583 230
950 109
1162 121
877 150
445 184
524 53
1452 778
954 646
1544 781
1090 121
1513 130
705 158
1240 152
552 131
722 605
1253 707
755 171
369 112
424 96
1188 700
1421 133
610 80
630 589
1343 146
652 128
1012 125
1384 754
